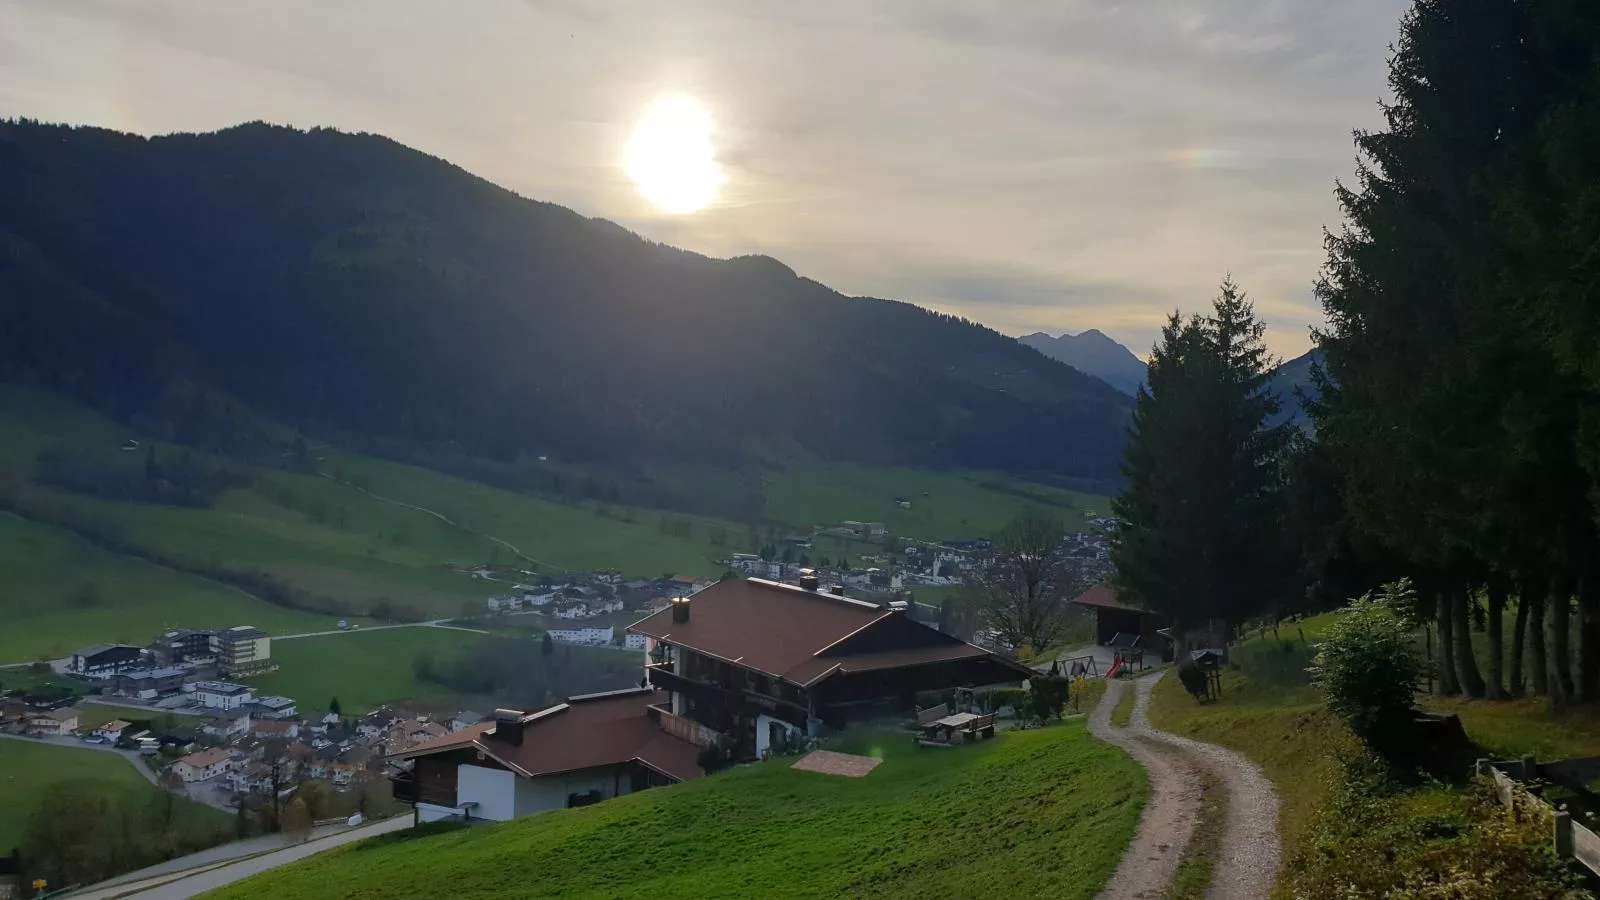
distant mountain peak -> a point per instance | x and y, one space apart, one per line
1095 353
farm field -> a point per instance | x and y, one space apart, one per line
62 593
364 669
30 773
923 824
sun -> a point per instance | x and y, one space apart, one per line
670 157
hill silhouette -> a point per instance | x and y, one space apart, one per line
346 283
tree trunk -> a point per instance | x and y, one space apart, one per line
1466 662
1519 636
1538 668
1558 628
1496 685
1448 685
1589 639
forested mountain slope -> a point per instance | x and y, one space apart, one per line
347 283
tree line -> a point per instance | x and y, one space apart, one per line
1455 421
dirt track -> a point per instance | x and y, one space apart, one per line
1249 851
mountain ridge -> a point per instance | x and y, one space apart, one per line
346 283
1094 353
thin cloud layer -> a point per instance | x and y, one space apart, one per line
1063 166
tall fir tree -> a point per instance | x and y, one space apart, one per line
1197 536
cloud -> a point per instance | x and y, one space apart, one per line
1038 166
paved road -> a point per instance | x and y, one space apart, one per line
206 878
1249 850
434 623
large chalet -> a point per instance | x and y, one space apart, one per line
754 664
742 669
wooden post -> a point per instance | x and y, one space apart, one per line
1563 834
1530 769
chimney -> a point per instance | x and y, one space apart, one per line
508 726
808 579
680 610
898 606
836 589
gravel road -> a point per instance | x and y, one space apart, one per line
1249 851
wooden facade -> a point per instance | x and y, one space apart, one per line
730 699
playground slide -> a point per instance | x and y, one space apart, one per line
1115 669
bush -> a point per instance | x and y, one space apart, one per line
1012 697
1194 679
1368 668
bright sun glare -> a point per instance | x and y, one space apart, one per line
670 156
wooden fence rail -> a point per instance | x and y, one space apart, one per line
1572 840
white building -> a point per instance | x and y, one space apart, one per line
221 694
586 635
202 765
634 641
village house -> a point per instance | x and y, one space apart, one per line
53 722
589 635
220 694
411 732
203 765
464 719
148 684
227 725
376 724
634 641
112 730
190 647
272 708
585 750
754 665
275 730
511 603
104 660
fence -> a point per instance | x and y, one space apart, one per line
1573 840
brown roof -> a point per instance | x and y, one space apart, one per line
203 758
761 625
819 666
800 635
584 732
1104 597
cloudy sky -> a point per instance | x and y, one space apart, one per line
1033 165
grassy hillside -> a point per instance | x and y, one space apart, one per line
363 669
1037 814
30 773
60 593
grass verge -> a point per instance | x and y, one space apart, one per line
923 824
1122 713
1193 877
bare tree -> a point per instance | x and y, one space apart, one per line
1023 583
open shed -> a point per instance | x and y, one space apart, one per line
1113 616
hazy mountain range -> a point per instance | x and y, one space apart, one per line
1093 353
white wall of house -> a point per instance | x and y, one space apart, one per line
536 795
764 732
494 790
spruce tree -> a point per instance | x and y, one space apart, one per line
1197 536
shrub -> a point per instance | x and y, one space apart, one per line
1368 668
1012 697
1194 679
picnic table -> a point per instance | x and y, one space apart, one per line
970 726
